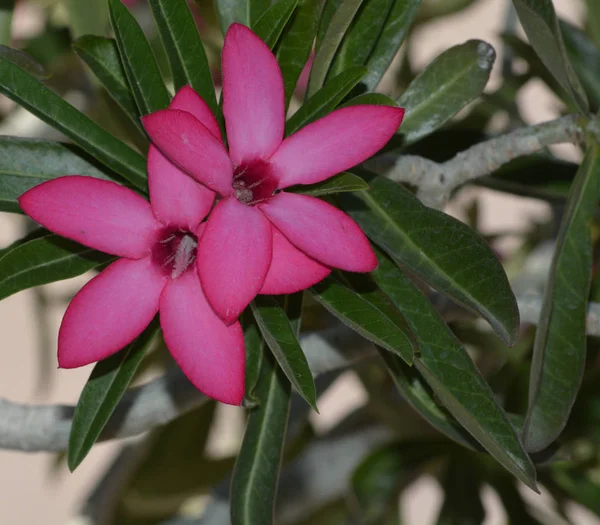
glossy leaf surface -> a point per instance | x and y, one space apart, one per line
447 368
281 339
540 23
104 389
560 344
25 163
443 251
185 50
44 103
44 260
446 85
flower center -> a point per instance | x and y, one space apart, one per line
175 251
254 182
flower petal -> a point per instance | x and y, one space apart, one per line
109 312
234 255
210 353
188 100
190 145
321 231
291 270
97 213
253 96
176 199
341 140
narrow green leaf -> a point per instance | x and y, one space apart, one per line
327 48
25 163
443 251
102 57
361 37
230 11
44 260
452 80
418 394
585 57
44 103
374 99
281 339
455 380
254 482
25 61
255 349
184 48
582 488
559 350
370 313
6 15
246 12
141 68
393 34
325 100
101 394
541 26
593 19
296 43
270 25
341 183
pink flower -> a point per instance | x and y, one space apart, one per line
260 239
157 243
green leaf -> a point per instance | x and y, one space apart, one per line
541 26
281 339
361 37
25 61
578 486
443 251
102 57
325 100
559 350
455 380
452 80
296 43
141 68
44 260
462 500
254 483
393 34
375 99
184 48
44 103
6 15
25 163
101 394
418 394
585 57
246 12
255 349
327 48
368 312
270 25
341 183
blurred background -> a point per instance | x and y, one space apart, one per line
37 488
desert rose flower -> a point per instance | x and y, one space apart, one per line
157 245
254 219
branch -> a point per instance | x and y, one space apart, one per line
436 181
34 428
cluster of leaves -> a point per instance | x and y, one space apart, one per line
482 428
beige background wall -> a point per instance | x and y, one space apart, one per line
32 492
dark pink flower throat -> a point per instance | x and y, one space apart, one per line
175 252
254 182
